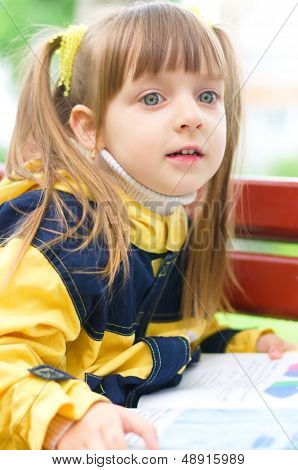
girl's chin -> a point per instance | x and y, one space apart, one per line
185 190
179 193
174 188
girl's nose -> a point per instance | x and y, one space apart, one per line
191 116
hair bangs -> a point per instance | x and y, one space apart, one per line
154 44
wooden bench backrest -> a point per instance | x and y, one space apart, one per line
267 210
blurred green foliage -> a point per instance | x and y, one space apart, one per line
285 166
286 329
2 154
269 247
19 19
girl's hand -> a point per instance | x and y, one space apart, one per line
273 345
104 426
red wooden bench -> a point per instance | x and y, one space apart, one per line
267 210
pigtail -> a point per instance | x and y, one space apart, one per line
30 123
40 135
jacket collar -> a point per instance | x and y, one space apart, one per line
149 231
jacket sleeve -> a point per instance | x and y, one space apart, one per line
219 338
37 320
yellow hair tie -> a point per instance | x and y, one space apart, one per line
70 41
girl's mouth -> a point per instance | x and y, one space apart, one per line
185 157
186 154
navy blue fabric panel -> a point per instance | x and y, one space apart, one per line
12 212
141 265
168 309
94 382
217 342
195 356
169 355
115 386
149 304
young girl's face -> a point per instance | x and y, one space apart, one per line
155 116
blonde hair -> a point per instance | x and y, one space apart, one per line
138 38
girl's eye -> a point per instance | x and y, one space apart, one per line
151 99
208 97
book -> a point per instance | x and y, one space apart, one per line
227 401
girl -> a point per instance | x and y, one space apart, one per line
107 292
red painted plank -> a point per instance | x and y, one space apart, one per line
269 208
270 283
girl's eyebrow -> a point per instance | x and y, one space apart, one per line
161 78
149 78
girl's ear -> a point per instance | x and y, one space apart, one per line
83 126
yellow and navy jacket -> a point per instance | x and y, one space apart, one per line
66 341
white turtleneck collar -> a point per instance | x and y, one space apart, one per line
152 200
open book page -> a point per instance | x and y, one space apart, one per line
227 401
233 381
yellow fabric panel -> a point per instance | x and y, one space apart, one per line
135 360
193 331
155 265
31 301
29 406
118 355
37 318
114 344
155 233
11 189
245 341
182 370
81 353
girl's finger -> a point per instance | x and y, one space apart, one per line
113 435
276 349
95 442
290 346
275 353
144 429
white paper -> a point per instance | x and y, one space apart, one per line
232 381
226 402
195 429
